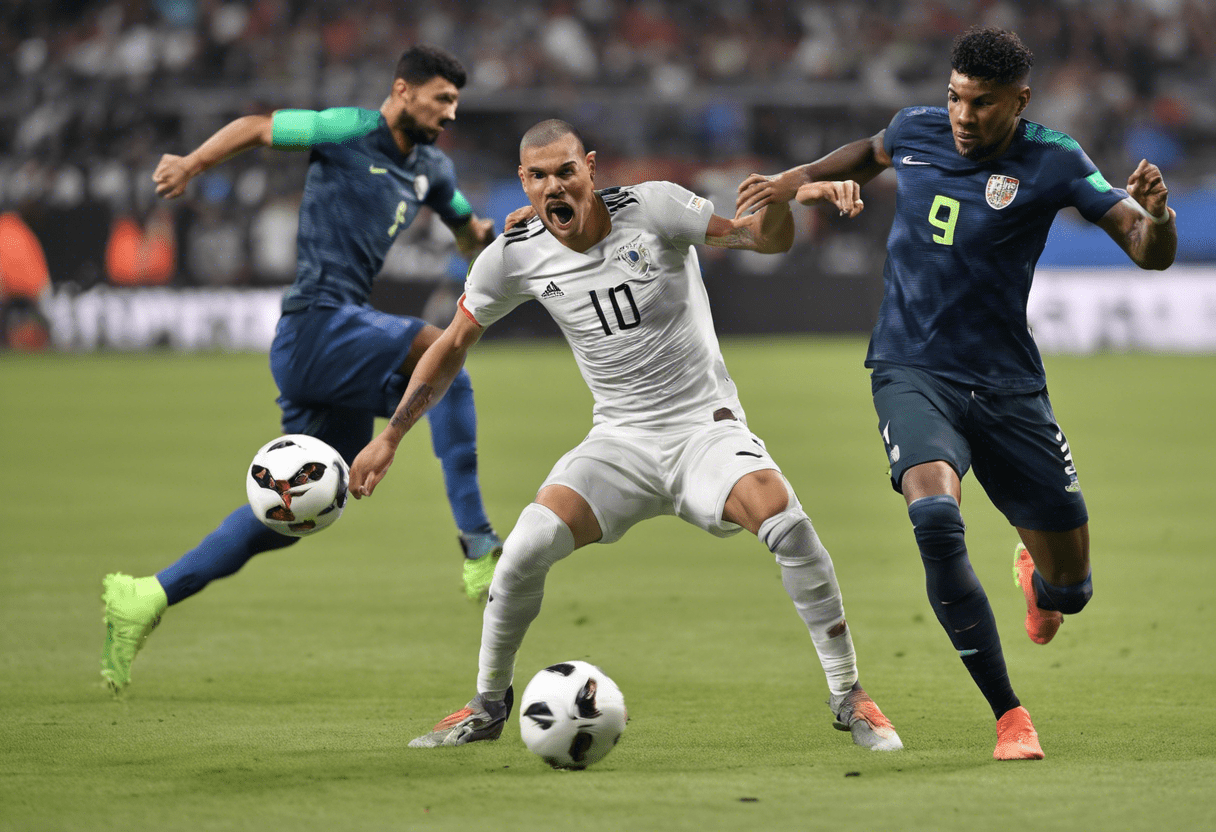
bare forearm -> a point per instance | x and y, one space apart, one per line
769 230
1153 246
466 240
473 235
856 160
1149 244
430 380
776 229
235 137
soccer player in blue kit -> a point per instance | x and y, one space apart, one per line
338 362
957 380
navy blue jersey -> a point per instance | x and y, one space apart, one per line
360 193
963 247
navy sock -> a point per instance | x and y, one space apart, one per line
219 554
958 600
454 440
1066 599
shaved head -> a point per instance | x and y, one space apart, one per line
547 132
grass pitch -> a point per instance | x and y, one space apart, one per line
282 698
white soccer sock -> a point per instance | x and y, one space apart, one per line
810 580
539 540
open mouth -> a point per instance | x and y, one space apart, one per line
561 214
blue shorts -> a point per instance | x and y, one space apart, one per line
1013 442
337 369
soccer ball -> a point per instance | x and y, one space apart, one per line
571 715
297 485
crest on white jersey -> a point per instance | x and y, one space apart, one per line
422 185
1001 190
635 257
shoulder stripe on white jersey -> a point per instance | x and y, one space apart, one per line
617 198
532 228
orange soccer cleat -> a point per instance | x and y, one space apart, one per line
1041 625
1016 738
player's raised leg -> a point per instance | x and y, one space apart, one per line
1055 579
762 502
133 606
541 538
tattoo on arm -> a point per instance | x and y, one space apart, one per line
735 238
411 411
1135 237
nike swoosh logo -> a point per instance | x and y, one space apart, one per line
748 453
374 169
908 160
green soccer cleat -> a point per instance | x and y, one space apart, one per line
481 554
133 607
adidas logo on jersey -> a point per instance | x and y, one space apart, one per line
551 291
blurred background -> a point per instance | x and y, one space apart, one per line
701 93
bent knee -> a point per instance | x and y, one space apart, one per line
1069 600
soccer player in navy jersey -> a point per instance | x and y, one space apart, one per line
958 382
338 362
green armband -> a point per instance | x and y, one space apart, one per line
303 128
459 205
1098 181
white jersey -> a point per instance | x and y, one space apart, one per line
633 307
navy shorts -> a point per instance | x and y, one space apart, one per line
337 370
1019 453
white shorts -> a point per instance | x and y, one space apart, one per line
628 475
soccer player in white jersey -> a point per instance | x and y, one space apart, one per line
618 271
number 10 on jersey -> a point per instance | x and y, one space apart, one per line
613 294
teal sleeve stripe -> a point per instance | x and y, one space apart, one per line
1098 181
459 205
304 128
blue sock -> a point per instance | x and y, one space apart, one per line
958 600
224 551
454 440
1066 599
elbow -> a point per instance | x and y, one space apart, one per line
778 245
780 240
263 128
1156 261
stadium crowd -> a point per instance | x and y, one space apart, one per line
700 91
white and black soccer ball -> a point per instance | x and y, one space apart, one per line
571 715
297 484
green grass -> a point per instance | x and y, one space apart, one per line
284 696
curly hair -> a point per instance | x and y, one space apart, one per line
991 54
421 63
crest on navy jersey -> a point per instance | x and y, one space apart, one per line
635 257
422 185
1001 190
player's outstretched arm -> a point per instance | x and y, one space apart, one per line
1143 225
846 195
859 161
431 378
247 132
473 236
768 231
